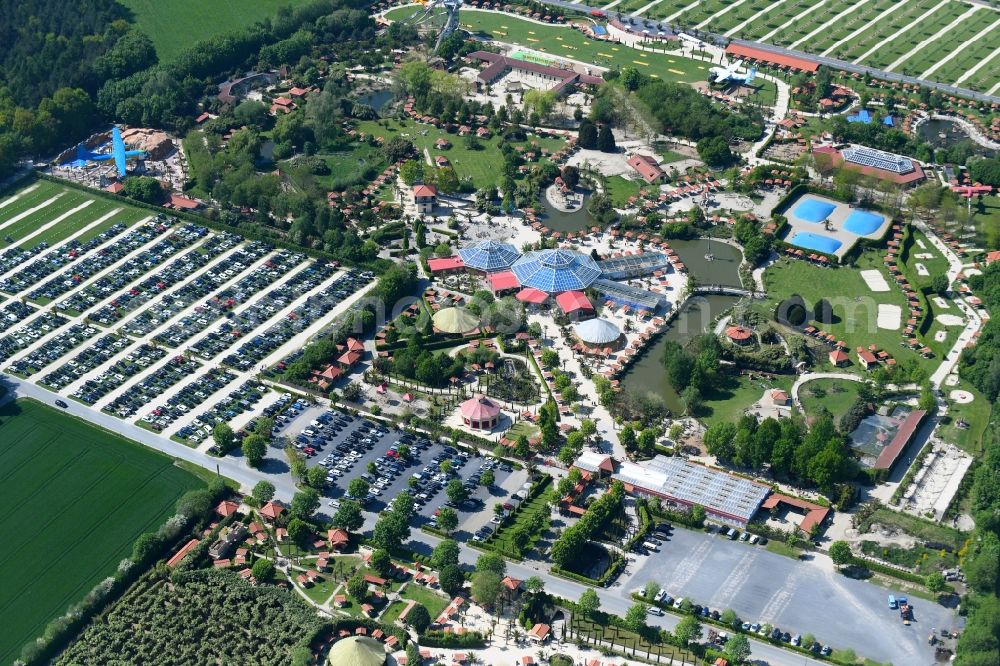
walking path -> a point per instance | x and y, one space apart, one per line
937 35
882 42
681 11
961 48
645 8
31 211
797 17
51 223
722 12
978 66
11 199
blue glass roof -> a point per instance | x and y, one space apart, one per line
489 256
554 271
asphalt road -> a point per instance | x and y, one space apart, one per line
798 597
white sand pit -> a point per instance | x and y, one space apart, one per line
920 242
961 397
949 320
923 255
940 336
889 316
875 280
951 380
922 270
940 303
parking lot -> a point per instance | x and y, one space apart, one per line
164 323
796 597
362 442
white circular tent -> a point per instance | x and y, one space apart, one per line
597 332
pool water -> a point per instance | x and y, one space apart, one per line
813 210
810 241
862 222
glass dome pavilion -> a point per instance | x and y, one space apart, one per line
555 271
489 256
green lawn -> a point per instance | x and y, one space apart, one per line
834 395
739 393
175 25
501 542
855 306
987 219
566 42
321 591
432 601
975 413
522 427
480 165
620 189
393 612
76 497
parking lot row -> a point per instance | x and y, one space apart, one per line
52 349
130 268
93 356
132 364
239 401
177 271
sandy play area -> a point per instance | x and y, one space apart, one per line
889 316
875 280
941 303
949 320
961 397
922 270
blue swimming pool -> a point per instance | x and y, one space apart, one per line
813 210
862 222
807 240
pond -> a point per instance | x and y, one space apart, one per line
376 98
647 374
945 133
578 220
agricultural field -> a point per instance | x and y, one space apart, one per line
174 25
881 33
50 213
79 497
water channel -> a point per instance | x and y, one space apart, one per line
376 99
945 133
646 374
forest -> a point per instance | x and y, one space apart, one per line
199 617
683 111
980 364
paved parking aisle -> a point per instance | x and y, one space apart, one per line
798 597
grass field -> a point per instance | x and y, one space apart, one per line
174 25
561 41
834 395
855 306
480 165
77 497
729 403
53 201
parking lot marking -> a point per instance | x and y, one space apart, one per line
688 567
11 199
53 222
734 582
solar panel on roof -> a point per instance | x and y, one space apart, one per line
877 159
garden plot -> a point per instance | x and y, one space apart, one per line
864 14
925 57
670 8
777 19
976 66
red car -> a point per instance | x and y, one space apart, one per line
310 451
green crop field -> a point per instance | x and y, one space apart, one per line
21 225
76 498
174 25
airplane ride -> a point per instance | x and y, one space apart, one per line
118 153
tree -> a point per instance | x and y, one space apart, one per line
444 554
606 140
381 562
738 648
534 585
451 579
357 587
627 437
493 563
539 101
194 503
698 514
448 519
143 188
391 530
729 617
263 570
419 618
587 137
935 582
840 553
263 492
254 448
714 151
316 477
635 617
486 587
651 590
631 78
589 603
456 491
358 488
939 283
687 630
298 531
224 437
348 516
304 503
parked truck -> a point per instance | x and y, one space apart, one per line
905 612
